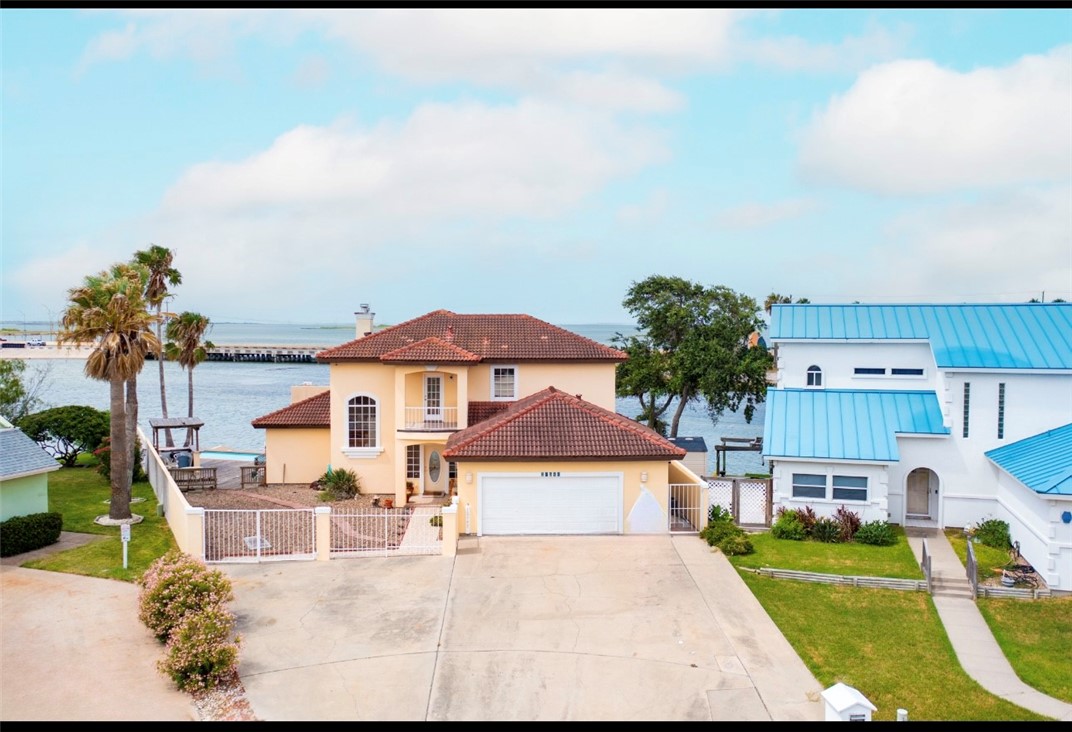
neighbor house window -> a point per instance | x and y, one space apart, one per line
413 461
503 383
967 406
452 470
363 415
1001 411
815 376
906 372
868 371
806 485
850 488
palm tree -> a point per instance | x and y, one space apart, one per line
162 275
185 345
109 309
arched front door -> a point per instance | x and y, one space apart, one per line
921 494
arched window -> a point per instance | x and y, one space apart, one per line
815 376
363 420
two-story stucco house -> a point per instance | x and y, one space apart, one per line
929 415
513 415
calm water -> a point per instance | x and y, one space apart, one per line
227 396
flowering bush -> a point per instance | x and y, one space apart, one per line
200 652
175 585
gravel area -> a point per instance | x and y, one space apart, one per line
276 496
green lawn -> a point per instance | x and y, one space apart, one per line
80 495
850 559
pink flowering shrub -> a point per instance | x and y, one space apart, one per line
175 585
200 651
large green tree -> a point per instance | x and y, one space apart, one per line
21 388
67 432
186 344
162 276
692 345
109 310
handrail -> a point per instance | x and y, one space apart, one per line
925 565
972 570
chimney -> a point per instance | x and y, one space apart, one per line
364 320
449 336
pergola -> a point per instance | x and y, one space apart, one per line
175 423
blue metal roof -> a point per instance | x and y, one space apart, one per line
19 455
1009 336
1042 462
841 424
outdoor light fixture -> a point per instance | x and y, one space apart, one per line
468 477
644 477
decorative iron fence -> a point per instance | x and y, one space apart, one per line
259 535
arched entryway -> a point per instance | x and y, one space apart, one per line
921 495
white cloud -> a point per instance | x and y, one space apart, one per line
444 160
852 53
758 215
1008 247
913 127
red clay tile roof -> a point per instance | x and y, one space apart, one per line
502 338
551 424
430 350
479 411
312 412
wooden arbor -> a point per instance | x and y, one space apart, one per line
176 423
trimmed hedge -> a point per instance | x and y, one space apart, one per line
25 533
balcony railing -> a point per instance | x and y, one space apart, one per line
431 420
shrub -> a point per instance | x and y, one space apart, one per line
66 432
340 484
104 456
716 531
807 518
200 651
788 526
718 513
176 585
826 530
736 544
849 522
25 533
876 533
993 532
436 520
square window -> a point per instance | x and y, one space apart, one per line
503 383
806 485
850 488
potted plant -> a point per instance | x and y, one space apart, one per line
410 488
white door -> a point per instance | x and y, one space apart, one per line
918 493
433 398
579 503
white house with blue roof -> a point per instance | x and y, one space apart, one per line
928 415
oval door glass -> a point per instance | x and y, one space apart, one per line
433 467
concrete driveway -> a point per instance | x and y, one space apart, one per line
548 628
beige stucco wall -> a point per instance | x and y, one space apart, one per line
632 488
593 381
378 471
296 454
299 392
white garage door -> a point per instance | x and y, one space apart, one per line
580 503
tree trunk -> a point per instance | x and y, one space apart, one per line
190 402
684 399
132 425
169 441
119 507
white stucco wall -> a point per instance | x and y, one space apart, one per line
837 361
874 509
1035 521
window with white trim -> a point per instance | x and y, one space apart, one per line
806 485
906 372
362 422
869 371
1001 411
413 461
503 383
815 376
967 407
850 488
452 470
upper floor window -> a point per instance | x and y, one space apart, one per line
868 371
503 383
967 407
906 372
362 422
815 376
1001 411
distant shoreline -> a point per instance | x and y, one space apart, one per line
51 350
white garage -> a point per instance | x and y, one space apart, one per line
550 503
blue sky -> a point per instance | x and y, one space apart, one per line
301 162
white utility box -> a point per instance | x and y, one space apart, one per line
846 704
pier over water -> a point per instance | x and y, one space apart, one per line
264 354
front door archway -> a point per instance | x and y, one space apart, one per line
921 494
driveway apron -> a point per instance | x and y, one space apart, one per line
517 628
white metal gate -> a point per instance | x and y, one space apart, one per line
688 507
388 532
748 499
259 535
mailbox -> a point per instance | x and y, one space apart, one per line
846 704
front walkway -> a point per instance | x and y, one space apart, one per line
979 654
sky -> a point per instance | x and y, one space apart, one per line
301 162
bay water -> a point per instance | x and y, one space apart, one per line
228 395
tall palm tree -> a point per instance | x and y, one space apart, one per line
185 345
109 310
162 275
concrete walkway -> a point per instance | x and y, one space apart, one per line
974 644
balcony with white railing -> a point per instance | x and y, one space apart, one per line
430 419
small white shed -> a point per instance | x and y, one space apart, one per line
846 704
696 454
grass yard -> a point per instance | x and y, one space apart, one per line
80 495
888 644
849 559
